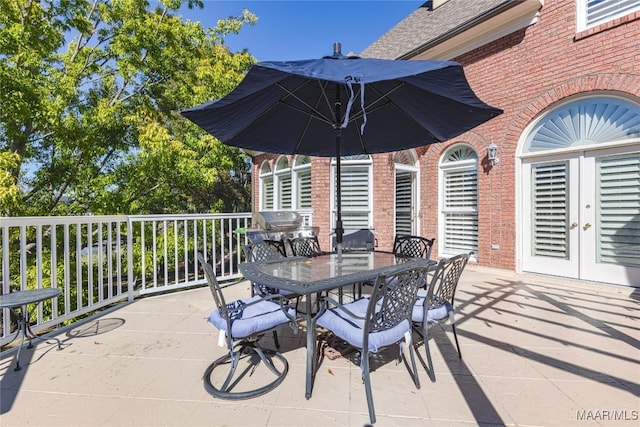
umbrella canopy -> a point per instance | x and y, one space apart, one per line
339 106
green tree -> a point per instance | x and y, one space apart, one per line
89 97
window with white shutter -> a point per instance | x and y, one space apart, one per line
266 186
585 122
356 191
283 178
406 193
459 201
595 12
302 182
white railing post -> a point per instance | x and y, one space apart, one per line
130 274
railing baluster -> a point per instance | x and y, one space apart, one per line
85 257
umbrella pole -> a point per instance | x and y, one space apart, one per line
339 229
338 128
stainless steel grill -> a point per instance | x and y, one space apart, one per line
278 225
277 220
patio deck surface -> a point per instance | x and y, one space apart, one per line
536 352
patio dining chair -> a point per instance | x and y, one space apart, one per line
413 246
362 240
374 323
261 251
242 323
307 246
435 305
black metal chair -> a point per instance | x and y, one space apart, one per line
363 240
243 322
435 306
413 246
358 241
261 251
371 324
264 250
307 246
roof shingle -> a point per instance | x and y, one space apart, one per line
424 25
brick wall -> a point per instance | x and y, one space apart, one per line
523 73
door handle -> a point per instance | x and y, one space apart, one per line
586 226
573 225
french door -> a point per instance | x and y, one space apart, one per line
581 215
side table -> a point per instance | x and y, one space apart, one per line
21 299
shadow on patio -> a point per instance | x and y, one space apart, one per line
536 351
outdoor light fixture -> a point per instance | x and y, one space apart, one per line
492 153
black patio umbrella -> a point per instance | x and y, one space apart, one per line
344 105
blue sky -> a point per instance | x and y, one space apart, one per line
289 30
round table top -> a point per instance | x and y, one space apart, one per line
29 296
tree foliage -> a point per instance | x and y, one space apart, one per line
90 92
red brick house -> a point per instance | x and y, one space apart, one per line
563 196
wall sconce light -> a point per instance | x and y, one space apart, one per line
492 153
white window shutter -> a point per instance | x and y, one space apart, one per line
461 210
550 211
403 202
284 191
619 209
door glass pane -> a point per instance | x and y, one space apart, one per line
619 209
550 210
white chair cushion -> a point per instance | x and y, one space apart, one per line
350 329
435 314
254 318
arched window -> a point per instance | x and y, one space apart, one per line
357 191
458 201
266 186
302 182
283 179
588 121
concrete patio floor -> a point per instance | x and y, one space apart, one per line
536 352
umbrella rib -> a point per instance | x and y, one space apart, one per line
311 112
382 96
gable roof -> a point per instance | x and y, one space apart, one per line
426 25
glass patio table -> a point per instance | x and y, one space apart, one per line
22 299
309 276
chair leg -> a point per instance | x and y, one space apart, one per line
367 385
414 372
233 359
455 335
275 340
425 337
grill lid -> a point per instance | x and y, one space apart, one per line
277 220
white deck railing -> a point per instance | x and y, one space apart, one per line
97 261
